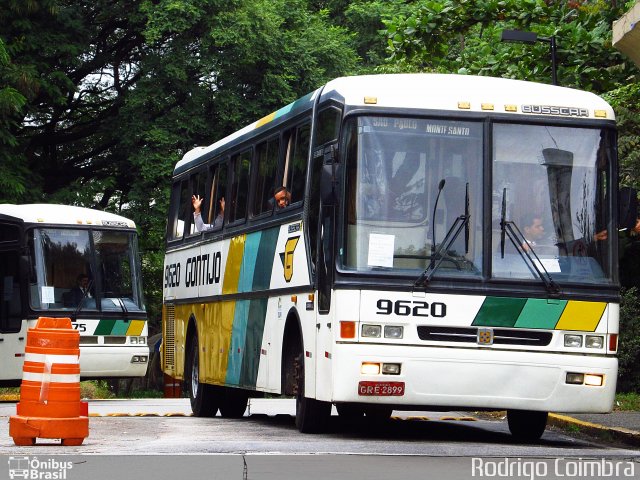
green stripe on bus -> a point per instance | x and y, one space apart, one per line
120 327
264 262
104 327
499 312
541 313
253 343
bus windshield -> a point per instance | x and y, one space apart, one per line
94 270
550 183
407 181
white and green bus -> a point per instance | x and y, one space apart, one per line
65 261
401 274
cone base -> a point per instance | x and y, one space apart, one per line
25 430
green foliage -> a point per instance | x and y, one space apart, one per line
464 36
629 342
98 103
627 402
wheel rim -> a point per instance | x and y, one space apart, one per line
194 374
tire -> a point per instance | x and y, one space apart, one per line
233 402
312 416
350 411
526 425
204 398
378 413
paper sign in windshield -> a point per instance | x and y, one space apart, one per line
381 250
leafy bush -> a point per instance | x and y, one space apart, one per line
629 342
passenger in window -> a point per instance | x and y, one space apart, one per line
196 201
533 230
282 197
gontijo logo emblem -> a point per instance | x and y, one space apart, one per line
33 468
287 257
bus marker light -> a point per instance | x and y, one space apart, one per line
510 108
464 105
574 341
393 331
613 342
487 106
370 368
600 113
391 369
348 329
594 380
371 331
575 378
594 341
294 299
370 100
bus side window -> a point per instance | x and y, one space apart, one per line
326 131
180 209
198 187
237 203
217 192
295 160
267 158
10 299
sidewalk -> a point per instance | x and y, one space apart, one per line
620 426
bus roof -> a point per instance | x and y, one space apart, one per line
429 91
64 215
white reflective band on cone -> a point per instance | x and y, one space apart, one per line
50 377
52 359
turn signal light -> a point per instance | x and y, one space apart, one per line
348 329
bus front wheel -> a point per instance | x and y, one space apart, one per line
527 425
204 398
312 416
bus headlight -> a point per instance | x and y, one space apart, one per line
393 331
574 341
594 341
370 368
371 331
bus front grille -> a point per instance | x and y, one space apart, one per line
169 336
501 336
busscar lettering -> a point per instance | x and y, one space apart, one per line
555 110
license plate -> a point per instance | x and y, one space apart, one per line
381 389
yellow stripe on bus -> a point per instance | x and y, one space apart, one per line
234 262
135 328
583 316
215 338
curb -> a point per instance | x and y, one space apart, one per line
624 435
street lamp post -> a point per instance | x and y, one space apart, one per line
520 36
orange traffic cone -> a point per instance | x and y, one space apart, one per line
50 405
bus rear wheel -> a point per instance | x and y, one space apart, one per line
526 425
312 416
204 398
233 402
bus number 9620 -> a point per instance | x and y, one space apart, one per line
414 308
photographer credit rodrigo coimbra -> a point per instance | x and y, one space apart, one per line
533 469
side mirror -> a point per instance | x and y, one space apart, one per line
627 207
328 177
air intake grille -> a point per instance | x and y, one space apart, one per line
169 337
501 336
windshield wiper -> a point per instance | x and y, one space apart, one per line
438 257
509 229
74 316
